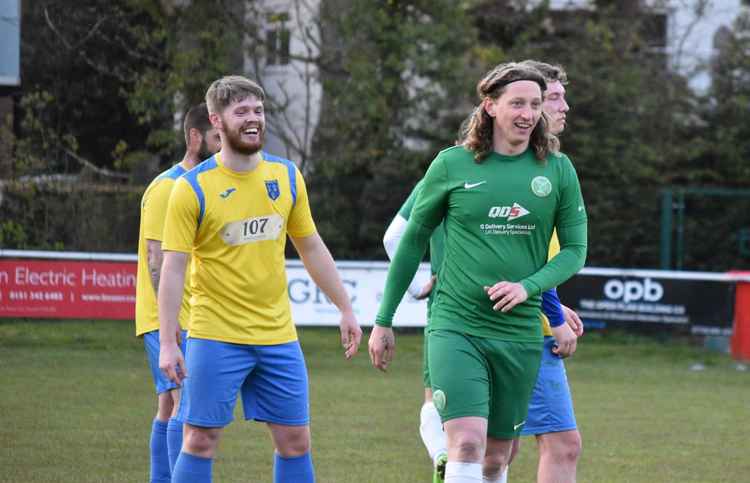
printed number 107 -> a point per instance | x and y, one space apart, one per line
253 227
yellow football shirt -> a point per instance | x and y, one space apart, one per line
554 249
153 212
235 225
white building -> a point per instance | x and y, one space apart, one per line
691 28
290 34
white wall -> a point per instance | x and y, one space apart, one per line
690 42
295 83
691 37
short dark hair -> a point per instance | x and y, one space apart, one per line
196 118
551 72
229 89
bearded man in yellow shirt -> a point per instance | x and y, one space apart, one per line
233 213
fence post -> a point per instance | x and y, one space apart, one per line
666 229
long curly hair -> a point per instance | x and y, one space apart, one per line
476 132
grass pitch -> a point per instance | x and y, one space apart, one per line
77 401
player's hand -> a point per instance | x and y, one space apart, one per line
506 295
573 320
427 289
382 347
566 340
351 334
172 363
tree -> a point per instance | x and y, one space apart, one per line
121 74
73 76
629 119
392 74
104 84
729 103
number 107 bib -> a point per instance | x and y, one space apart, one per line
252 230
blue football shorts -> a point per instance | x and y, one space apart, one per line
551 406
151 344
272 380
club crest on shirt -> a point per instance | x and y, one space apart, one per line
272 188
541 186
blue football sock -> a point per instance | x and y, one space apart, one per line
174 441
160 472
192 469
297 469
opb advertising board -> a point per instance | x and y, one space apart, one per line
701 303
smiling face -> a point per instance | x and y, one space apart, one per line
243 124
555 106
515 113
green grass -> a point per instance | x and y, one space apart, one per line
76 404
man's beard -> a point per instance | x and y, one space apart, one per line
204 153
235 142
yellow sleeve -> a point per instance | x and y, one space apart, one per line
554 245
155 209
181 221
301 223
554 249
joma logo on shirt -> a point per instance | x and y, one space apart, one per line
226 193
509 212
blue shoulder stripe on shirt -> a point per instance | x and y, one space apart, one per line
290 170
192 178
172 173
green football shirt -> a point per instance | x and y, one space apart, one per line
498 217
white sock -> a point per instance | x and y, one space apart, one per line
431 430
503 478
456 472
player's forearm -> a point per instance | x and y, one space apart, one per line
171 289
155 258
322 269
405 263
564 265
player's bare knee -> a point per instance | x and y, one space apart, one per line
496 457
467 447
496 460
493 465
573 446
291 441
562 447
201 441
492 473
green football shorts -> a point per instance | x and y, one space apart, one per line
487 378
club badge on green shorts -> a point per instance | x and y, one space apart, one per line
438 399
541 186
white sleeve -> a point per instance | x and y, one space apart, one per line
391 239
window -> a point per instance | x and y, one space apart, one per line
277 39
